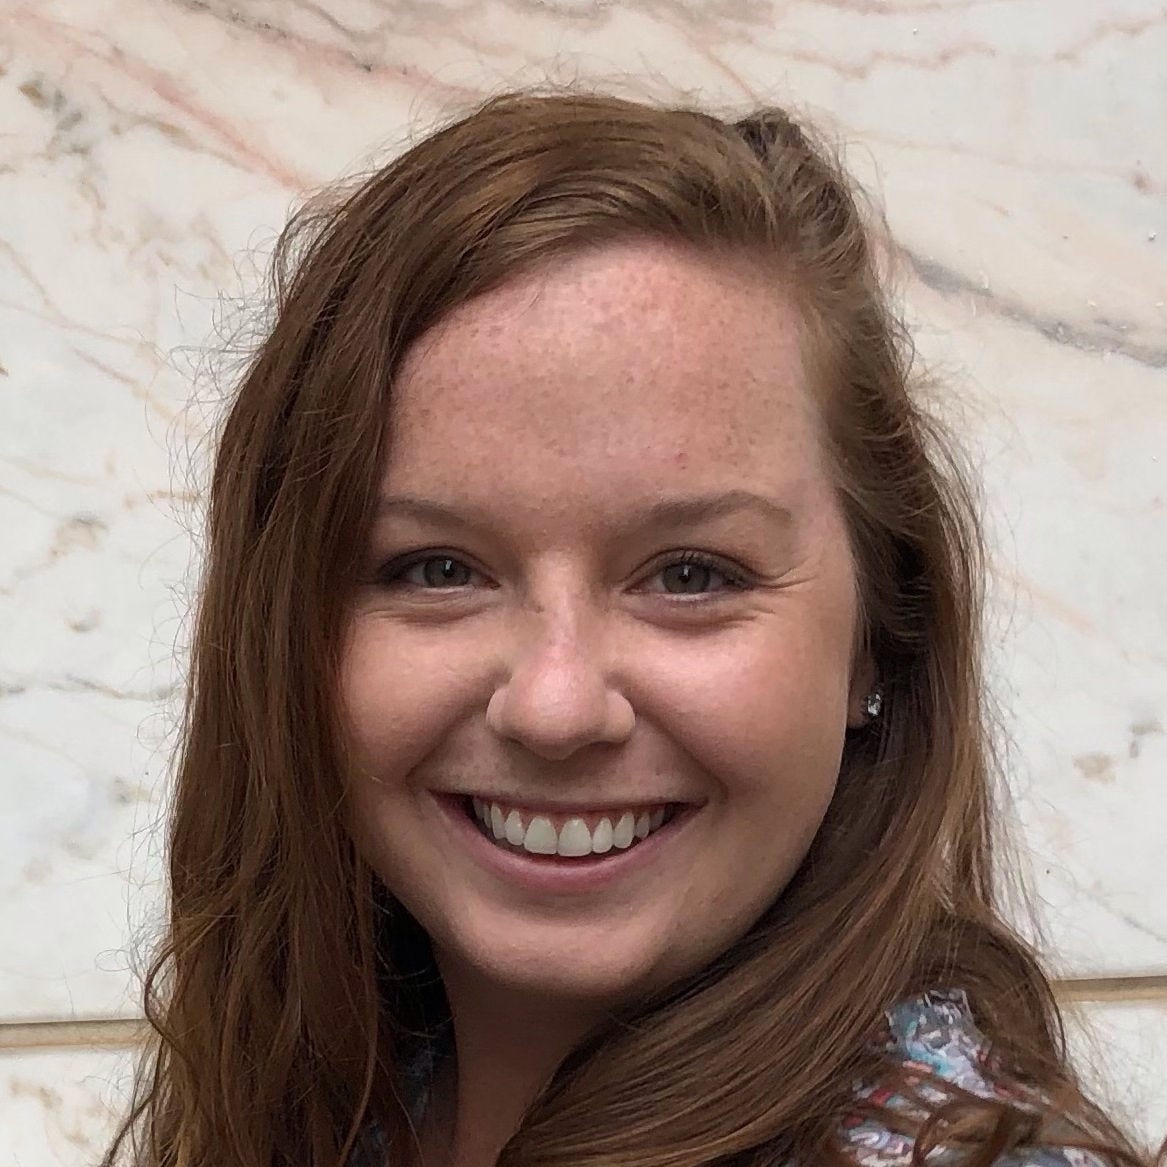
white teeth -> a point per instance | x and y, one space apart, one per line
574 839
515 829
540 836
602 839
622 834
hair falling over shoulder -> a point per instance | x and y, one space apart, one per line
285 993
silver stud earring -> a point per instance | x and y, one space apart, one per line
874 703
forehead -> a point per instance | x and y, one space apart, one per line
627 365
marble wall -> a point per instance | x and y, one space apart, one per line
151 149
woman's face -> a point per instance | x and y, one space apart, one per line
529 636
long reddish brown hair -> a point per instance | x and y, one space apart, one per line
287 990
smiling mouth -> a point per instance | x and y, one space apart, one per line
565 835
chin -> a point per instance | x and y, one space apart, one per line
587 967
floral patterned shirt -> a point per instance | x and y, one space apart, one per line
934 1031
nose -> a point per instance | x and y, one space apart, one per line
557 696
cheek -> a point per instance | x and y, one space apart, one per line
756 709
399 694
393 707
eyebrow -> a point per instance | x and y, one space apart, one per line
677 511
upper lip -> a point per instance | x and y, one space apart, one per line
553 807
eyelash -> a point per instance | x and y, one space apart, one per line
391 573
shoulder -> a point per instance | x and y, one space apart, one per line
936 1034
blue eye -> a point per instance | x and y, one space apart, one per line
440 571
695 565
437 572
447 574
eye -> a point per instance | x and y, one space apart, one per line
688 574
437 571
690 569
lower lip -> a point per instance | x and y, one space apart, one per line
557 874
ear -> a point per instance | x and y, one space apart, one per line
863 680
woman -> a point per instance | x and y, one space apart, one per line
587 759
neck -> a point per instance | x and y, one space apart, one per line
507 1047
